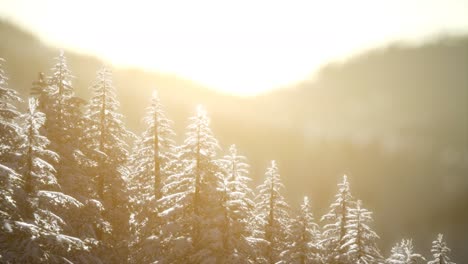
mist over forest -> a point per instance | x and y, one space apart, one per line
393 119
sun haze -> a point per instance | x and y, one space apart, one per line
237 47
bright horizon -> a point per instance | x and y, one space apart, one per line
242 48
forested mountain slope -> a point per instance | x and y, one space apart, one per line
395 119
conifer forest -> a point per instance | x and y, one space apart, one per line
77 186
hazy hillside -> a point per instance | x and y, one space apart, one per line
394 119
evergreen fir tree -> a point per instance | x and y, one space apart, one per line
360 239
107 136
58 92
10 210
403 253
440 251
192 199
43 232
272 215
38 172
64 127
237 208
305 238
334 241
9 129
10 180
397 255
150 163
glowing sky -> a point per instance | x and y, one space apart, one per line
241 47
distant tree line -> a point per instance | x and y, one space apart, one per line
78 187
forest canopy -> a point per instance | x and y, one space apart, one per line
79 187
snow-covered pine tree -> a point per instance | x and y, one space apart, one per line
397 255
333 240
64 127
9 129
149 165
54 96
403 253
10 210
361 240
192 217
305 238
43 232
107 137
272 216
38 172
10 180
61 82
237 208
440 251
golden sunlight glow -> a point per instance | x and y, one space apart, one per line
240 47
